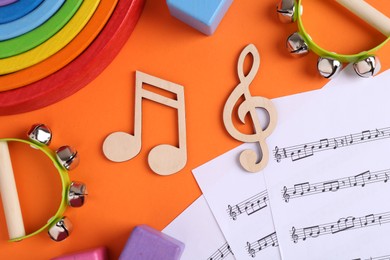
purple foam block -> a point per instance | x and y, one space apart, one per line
99 253
146 243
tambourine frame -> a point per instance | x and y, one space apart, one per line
325 53
65 181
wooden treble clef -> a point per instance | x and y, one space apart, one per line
249 160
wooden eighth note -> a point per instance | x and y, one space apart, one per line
249 160
163 159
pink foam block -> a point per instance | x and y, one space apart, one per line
146 243
99 253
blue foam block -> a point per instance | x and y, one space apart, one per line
146 243
203 15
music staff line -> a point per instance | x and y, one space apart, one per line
221 253
343 224
359 180
303 151
261 244
386 257
249 206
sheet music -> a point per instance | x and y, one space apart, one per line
239 200
197 229
328 180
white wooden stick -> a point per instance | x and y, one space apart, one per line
369 14
9 195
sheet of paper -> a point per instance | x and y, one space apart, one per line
197 229
231 192
239 199
328 181
240 206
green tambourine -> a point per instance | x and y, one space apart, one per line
73 193
365 63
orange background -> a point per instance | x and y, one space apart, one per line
123 195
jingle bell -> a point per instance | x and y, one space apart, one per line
77 194
68 157
367 67
328 67
61 229
40 134
297 45
286 10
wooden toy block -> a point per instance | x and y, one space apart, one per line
99 253
54 44
30 21
146 243
203 15
70 52
78 73
42 33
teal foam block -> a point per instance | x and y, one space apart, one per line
203 15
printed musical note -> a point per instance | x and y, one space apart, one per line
359 180
249 206
336 143
369 219
366 135
221 252
324 143
303 151
229 249
343 224
249 160
301 188
362 178
163 159
350 139
262 243
331 186
311 232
